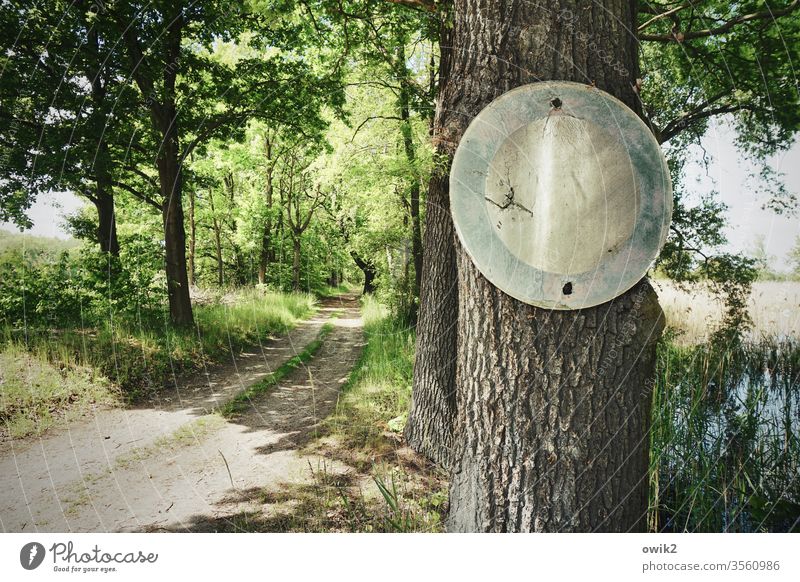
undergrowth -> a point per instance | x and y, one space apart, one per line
46 371
725 441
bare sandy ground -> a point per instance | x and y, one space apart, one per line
172 463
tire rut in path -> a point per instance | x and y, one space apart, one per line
169 463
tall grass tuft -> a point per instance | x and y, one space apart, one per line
137 356
35 394
378 393
725 449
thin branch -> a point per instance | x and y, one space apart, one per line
664 15
682 243
677 36
140 195
371 118
675 127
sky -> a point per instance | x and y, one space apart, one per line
728 174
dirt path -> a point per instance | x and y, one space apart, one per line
169 464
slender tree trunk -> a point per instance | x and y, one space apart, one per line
296 262
368 268
265 256
218 246
192 237
170 177
553 406
411 157
217 242
103 201
429 429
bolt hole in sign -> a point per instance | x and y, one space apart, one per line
560 195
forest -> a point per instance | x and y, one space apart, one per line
264 277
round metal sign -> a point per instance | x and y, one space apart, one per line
560 195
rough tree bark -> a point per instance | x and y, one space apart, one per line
429 429
171 181
553 407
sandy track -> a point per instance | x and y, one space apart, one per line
170 463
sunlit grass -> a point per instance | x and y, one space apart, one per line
45 371
35 394
378 393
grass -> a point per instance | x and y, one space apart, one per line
377 395
47 372
694 313
725 445
242 400
363 479
35 394
725 448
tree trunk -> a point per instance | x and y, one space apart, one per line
296 262
107 226
192 238
368 268
429 429
411 157
265 256
170 179
103 199
180 305
218 251
553 406
106 222
265 253
215 224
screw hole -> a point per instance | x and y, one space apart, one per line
556 103
567 290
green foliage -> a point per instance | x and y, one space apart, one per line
78 288
710 60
